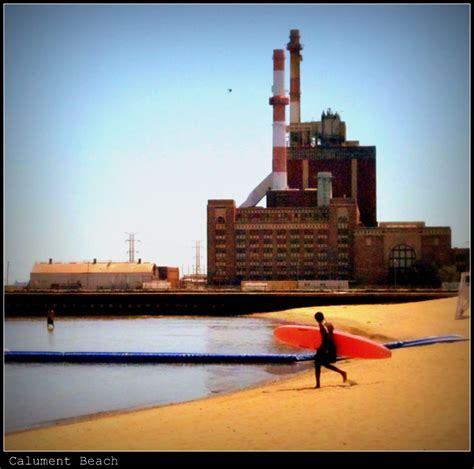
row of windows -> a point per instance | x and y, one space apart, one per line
287 264
342 251
241 247
401 258
281 254
291 232
282 268
292 255
283 239
319 214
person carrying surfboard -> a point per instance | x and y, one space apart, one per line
326 353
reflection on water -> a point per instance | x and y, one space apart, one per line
39 393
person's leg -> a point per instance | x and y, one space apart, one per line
317 370
342 373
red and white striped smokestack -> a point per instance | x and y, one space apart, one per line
279 101
295 47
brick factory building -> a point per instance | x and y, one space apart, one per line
320 222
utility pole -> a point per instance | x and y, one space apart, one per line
8 270
395 265
131 246
198 257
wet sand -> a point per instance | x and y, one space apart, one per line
416 400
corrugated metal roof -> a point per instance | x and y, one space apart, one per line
91 268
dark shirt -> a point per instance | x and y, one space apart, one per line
327 350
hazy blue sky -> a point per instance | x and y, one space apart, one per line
118 118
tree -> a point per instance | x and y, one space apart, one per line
448 273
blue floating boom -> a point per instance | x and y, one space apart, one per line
145 357
425 341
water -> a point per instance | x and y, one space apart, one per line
38 394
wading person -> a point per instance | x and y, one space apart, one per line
326 353
50 319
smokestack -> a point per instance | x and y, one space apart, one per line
279 101
295 47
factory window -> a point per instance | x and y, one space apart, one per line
402 258
342 223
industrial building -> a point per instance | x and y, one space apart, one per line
96 275
320 222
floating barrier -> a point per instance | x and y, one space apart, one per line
425 341
144 357
139 357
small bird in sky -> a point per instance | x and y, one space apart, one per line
229 90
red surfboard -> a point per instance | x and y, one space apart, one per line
347 345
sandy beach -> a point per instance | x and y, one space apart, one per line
419 399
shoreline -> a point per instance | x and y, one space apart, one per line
416 400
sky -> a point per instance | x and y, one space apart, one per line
118 118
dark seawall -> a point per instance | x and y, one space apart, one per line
190 303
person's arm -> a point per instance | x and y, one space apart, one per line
330 329
323 330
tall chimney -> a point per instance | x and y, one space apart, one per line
279 101
295 47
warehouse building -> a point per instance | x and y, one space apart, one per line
96 275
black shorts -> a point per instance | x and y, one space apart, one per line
324 357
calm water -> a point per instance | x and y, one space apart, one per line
36 394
